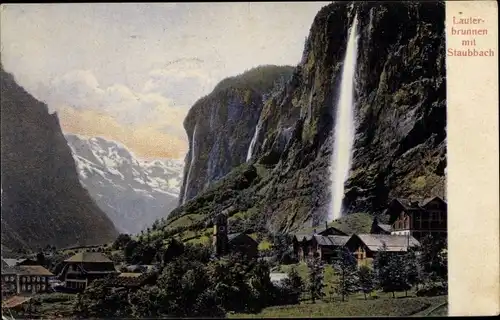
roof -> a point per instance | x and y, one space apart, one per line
95 257
300 236
15 301
331 240
126 281
233 236
277 276
33 270
12 262
130 274
426 201
375 242
27 271
385 227
331 228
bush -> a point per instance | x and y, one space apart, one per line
432 291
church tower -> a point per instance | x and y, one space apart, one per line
220 241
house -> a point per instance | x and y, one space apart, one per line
224 243
25 279
83 268
277 277
366 246
324 243
380 228
418 219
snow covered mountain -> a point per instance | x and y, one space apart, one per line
133 193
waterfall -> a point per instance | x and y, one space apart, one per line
193 145
344 126
254 141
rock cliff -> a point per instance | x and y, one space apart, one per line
400 112
132 192
43 202
220 126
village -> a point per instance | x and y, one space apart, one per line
27 278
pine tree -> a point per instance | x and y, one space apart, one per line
432 259
348 281
380 265
366 280
398 274
316 285
413 268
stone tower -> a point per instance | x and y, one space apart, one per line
220 241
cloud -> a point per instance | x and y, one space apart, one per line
137 68
118 112
182 80
145 141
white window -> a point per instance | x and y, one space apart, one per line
43 287
23 287
12 278
29 287
37 279
33 279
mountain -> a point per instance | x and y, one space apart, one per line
133 193
43 202
221 125
400 126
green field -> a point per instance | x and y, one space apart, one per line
355 306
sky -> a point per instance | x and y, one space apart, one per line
130 72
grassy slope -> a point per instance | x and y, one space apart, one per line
354 307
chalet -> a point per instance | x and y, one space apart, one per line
324 244
83 268
224 243
25 279
418 219
366 246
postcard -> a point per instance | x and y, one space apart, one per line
249 160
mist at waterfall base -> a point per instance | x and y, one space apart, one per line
344 127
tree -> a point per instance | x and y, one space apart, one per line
129 250
294 285
366 280
97 301
316 285
433 259
40 259
121 241
261 283
395 276
174 249
413 268
348 276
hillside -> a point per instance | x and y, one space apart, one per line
400 112
221 125
131 192
43 202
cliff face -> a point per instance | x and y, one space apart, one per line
400 112
221 126
42 199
